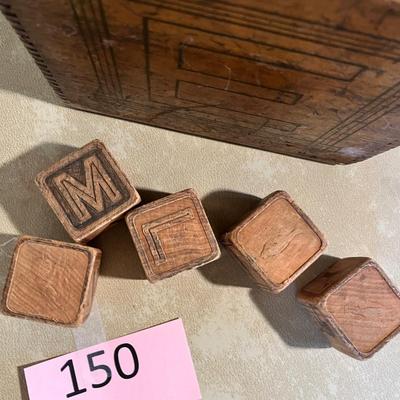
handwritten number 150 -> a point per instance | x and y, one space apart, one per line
107 370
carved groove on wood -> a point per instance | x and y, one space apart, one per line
87 190
172 234
254 74
152 229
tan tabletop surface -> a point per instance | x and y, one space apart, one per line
246 344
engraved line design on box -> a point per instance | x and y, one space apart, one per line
297 28
269 94
322 147
269 125
272 123
97 183
384 104
376 39
242 131
87 189
258 131
277 124
25 38
283 25
92 24
152 229
146 45
334 68
355 68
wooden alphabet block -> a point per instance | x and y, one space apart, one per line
356 304
276 242
51 281
172 235
87 191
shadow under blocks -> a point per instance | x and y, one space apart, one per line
7 245
23 203
22 200
30 214
120 258
282 311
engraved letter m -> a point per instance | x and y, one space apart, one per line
79 195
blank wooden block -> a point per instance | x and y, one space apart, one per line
87 191
52 281
356 304
276 242
172 235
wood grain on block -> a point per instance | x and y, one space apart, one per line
308 80
358 303
172 235
87 191
276 242
52 281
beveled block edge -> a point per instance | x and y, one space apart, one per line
335 334
230 240
94 259
360 355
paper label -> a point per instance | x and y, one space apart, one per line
153 364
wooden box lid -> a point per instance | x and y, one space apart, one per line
311 80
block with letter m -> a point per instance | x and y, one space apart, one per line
87 191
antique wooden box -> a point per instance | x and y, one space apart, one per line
51 280
276 242
356 304
309 78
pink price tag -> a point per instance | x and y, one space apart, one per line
153 364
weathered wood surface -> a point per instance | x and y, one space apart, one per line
51 281
87 191
172 235
276 242
356 304
317 80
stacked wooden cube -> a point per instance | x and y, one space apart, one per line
354 301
